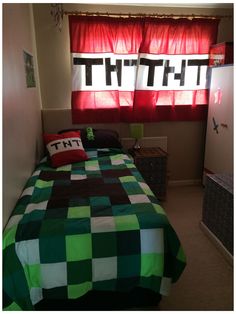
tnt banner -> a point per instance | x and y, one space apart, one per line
107 71
159 72
139 70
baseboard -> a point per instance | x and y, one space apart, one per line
218 244
184 182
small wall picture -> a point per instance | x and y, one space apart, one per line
29 70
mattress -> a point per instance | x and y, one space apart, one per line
90 225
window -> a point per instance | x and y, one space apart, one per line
137 69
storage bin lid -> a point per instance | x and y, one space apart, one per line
223 179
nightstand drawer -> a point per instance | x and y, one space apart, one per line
152 167
150 164
153 178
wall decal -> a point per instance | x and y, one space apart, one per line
29 70
215 125
218 96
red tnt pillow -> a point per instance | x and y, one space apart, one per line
65 148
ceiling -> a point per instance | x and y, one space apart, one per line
225 5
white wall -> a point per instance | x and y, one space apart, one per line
21 105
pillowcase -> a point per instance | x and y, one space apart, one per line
103 138
65 148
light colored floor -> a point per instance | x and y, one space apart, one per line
207 281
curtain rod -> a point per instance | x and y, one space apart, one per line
58 12
141 15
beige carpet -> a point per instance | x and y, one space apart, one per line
207 281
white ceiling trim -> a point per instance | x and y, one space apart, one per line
189 4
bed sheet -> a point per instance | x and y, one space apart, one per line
92 225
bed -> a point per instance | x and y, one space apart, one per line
90 225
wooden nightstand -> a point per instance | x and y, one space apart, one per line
152 164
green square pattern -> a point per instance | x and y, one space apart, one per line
79 272
125 272
76 291
52 249
104 244
79 212
32 274
78 247
126 222
152 264
87 234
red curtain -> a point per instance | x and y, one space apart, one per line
139 69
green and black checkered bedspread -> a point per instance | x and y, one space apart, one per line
88 225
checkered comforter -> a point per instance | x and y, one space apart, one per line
88 225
